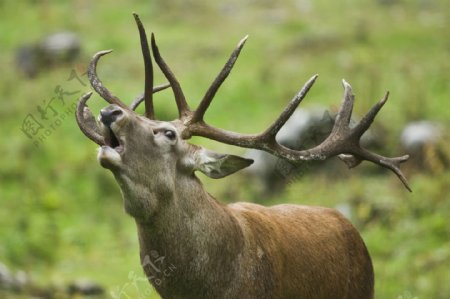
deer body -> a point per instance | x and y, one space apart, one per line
241 250
249 251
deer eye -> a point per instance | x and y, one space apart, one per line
170 134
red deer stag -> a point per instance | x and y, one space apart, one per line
240 250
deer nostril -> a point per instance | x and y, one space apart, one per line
116 112
109 115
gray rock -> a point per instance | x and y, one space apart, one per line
417 134
60 47
6 278
425 142
85 287
53 50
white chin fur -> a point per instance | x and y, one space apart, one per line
108 157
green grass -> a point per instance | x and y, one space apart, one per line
61 216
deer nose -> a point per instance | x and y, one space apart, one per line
109 115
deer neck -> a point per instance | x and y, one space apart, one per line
185 225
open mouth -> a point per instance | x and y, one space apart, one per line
111 140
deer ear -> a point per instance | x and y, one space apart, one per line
217 165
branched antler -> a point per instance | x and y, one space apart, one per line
343 141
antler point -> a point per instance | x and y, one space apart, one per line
346 84
385 98
104 52
153 40
242 41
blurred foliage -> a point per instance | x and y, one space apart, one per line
61 216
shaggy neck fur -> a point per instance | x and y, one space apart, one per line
193 235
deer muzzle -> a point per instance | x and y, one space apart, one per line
109 118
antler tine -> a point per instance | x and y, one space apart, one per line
394 165
148 89
183 107
368 119
97 84
86 120
211 92
276 126
344 115
390 163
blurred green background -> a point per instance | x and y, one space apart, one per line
61 215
